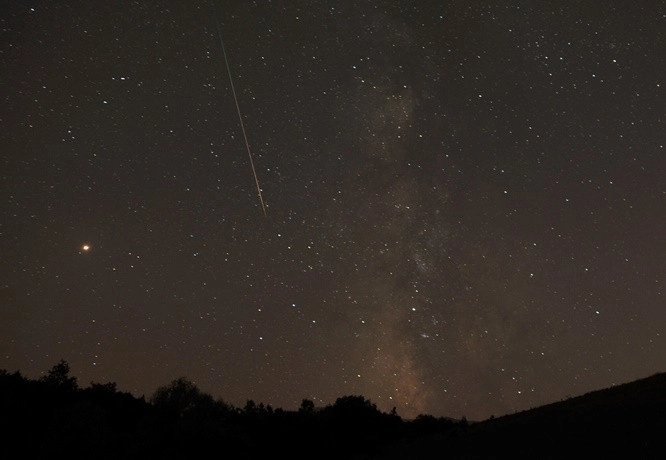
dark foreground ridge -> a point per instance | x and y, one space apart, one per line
53 418
626 421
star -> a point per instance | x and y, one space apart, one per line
462 197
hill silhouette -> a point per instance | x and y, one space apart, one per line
59 419
623 421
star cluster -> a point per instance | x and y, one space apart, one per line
465 202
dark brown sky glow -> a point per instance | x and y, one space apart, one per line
465 202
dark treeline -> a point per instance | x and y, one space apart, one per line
61 420
52 417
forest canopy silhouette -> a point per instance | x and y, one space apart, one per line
63 420
179 419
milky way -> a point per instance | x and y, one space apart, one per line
465 202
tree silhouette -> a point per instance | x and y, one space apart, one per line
58 377
103 388
356 406
307 407
180 398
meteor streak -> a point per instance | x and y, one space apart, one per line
240 116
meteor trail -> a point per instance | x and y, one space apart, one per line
240 117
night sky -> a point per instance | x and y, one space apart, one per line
465 201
